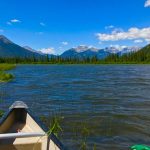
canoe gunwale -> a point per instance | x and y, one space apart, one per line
5 116
20 135
39 122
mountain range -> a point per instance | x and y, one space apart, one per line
10 49
85 51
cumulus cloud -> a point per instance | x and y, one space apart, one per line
147 3
132 34
42 24
49 50
109 27
13 21
138 41
64 43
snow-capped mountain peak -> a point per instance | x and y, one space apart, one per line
82 48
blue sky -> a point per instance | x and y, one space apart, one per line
57 25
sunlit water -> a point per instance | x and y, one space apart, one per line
112 101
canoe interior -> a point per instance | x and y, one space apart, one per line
20 120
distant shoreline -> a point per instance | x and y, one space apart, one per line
79 63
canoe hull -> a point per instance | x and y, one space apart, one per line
25 132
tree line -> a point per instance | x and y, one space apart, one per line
142 56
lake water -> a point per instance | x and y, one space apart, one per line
109 102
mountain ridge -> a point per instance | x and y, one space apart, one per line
10 49
99 53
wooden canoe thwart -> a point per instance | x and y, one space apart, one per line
20 130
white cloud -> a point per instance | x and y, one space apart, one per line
49 50
147 3
15 21
42 24
109 27
132 34
64 43
138 41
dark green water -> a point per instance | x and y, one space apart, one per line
110 102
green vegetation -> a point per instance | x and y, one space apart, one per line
51 60
81 130
1 113
140 57
5 67
94 147
5 77
54 125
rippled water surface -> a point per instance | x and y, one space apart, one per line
111 101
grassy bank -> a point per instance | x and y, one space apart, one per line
5 67
4 76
